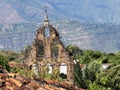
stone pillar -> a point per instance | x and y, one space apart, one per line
70 72
56 71
59 51
33 54
47 48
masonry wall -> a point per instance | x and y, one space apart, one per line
50 50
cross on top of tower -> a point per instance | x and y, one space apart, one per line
46 21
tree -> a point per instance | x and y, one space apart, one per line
91 71
94 86
74 51
89 56
110 78
79 81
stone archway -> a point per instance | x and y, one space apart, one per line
40 49
54 50
63 68
50 67
46 32
63 71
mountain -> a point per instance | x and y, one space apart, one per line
101 37
95 11
85 23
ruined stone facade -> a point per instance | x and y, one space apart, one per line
49 50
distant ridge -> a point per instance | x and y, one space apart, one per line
101 37
95 11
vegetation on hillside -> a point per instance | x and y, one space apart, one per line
6 56
92 77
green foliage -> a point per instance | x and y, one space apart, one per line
6 56
18 61
110 78
55 74
79 81
113 58
4 62
28 73
94 86
17 70
89 56
44 73
25 73
93 77
90 72
83 78
74 51
85 56
10 55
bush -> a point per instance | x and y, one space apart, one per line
4 63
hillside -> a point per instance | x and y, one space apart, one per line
101 37
95 11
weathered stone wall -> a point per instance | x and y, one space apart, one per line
54 52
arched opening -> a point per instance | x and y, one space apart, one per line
63 71
47 33
54 50
49 68
30 67
40 49
34 69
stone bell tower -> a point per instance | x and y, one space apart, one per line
48 49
